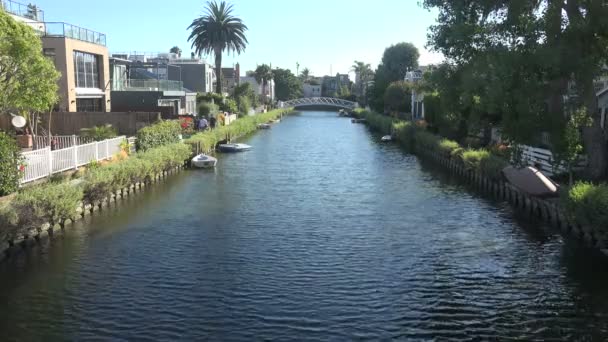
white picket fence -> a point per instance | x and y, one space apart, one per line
45 162
58 142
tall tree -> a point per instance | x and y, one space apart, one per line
218 30
305 74
365 73
396 61
287 85
263 74
28 79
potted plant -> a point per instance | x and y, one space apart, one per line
25 139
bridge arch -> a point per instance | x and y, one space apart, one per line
319 101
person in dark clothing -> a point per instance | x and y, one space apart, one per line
212 122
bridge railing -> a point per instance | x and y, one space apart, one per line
320 101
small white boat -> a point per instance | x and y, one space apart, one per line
275 121
357 120
234 147
264 126
203 161
387 138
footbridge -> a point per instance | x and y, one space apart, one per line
319 101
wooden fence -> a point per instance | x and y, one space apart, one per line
45 162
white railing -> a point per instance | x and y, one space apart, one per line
58 142
45 162
543 160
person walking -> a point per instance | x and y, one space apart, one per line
203 124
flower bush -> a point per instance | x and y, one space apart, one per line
587 204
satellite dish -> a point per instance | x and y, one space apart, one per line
18 121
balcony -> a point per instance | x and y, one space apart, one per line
149 85
26 11
55 29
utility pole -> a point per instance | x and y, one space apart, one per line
297 69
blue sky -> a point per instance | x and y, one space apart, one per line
319 34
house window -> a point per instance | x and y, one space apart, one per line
86 70
89 105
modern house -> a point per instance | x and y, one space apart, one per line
79 54
135 88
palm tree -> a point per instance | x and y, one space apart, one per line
263 75
305 74
218 31
364 70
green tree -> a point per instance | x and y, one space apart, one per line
365 73
305 74
569 150
530 55
263 74
176 50
245 91
28 80
397 97
218 30
287 85
396 61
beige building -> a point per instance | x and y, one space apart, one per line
82 58
80 55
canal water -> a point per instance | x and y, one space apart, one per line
319 233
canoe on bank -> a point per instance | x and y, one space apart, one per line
531 180
234 147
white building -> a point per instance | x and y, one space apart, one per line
265 93
311 90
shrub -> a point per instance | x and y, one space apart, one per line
99 184
99 133
229 105
447 146
426 140
206 109
210 98
10 164
587 204
48 203
159 134
492 166
244 105
472 158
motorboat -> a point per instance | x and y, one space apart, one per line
203 161
531 181
274 121
264 126
234 147
387 138
357 120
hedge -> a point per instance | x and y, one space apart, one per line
414 136
10 162
56 202
159 134
587 204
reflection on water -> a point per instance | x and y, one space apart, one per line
319 233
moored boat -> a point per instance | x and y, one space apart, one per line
531 181
234 147
387 138
357 120
264 126
203 161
